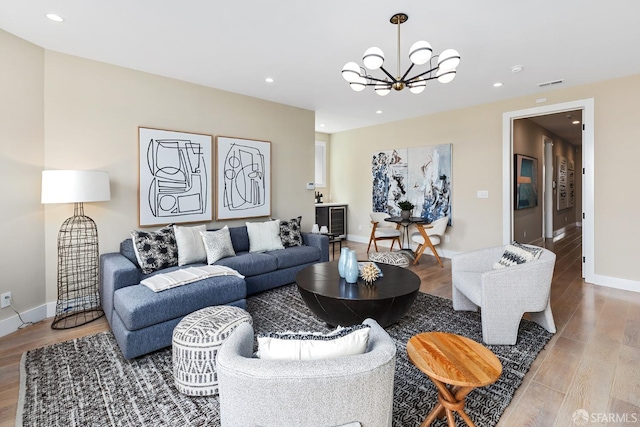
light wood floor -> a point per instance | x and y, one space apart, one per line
591 363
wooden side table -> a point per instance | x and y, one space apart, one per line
456 365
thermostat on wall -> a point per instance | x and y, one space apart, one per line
311 186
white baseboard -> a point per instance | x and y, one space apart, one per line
616 283
11 324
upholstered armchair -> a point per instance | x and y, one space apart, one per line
307 393
503 294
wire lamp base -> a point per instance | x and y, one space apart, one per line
78 294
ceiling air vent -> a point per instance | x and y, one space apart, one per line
551 83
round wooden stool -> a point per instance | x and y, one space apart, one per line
456 365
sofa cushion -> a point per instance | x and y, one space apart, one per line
139 307
264 236
126 250
517 253
217 244
239 238
155 250
190 246
297 255
250 264
341 342
290 233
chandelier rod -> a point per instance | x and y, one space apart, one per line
399 20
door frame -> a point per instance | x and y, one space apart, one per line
588 187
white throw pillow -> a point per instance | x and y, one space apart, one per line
217 244
190 246
264 236
314 346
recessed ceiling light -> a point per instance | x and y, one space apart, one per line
321 125
576 122
379 112
54 17
268 80
516 68
497 84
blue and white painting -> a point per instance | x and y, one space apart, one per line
421 175
389 169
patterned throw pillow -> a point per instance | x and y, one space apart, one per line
217 244
290 234
516 253
314 346
155 250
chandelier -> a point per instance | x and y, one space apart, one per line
420 53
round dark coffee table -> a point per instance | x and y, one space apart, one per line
337 302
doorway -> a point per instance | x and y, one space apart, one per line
586 174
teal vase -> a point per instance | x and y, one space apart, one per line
342 262
351 271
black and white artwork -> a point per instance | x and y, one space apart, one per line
243 178
175 177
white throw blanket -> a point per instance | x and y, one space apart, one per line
164 281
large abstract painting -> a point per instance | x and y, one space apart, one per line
175 177
243 178
421 175
526 177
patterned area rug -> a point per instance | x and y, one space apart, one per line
86 382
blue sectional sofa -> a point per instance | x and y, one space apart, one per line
143 321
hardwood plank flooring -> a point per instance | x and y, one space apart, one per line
590 363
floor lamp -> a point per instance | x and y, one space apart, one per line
78 294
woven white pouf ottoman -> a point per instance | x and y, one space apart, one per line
196 341
400 258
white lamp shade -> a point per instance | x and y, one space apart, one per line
418 86
449 59
382 89
351 72
420 52
373 58
445 76
73 186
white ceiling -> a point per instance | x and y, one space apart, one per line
235 45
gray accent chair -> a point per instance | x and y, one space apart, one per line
505 294
317 393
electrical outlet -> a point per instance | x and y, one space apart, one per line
446 238
5 300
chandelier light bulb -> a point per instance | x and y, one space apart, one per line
449 59
359 84
382 89
373 58
351 72
420 52
418 86
445 76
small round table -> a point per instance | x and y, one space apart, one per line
456 365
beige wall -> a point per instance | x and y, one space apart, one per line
64 112
93 111
326 191
476 135
21 160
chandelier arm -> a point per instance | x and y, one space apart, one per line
407 72
375 79
389 75
422 74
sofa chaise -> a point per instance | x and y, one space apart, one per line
142 321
